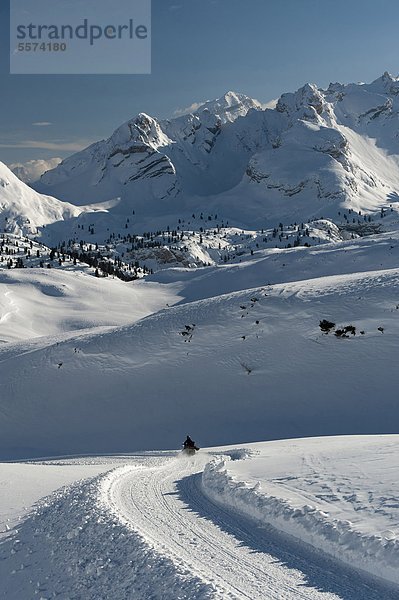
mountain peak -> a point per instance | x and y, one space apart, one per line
388 77
387 83
230 106
144 119
305 103
142 129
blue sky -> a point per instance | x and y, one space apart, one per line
200 49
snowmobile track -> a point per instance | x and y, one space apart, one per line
166 505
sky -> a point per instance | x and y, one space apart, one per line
200 50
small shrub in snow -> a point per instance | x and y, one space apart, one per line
341 333
345 331
326 326
188 332
350 329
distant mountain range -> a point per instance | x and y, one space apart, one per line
316 153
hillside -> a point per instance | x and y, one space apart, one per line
252 364
51 296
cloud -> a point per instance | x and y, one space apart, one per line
270 104
43 145
42 123
33 169
190 109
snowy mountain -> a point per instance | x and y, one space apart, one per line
24 210
229 107
318 151
142 156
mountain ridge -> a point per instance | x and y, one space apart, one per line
24 210
315 143
318 153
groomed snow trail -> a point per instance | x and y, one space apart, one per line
165 504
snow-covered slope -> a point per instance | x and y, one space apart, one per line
336 494
245 329
44 302
24 210
247 365
282 265
316 152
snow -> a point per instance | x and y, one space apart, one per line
336 494
279 371
252 364
44 302
70 547
25 210
316 152
276 265
162 525
24 484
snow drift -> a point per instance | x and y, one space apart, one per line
375 553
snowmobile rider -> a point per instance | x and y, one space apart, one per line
188 443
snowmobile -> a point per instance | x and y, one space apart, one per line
190 451
189 447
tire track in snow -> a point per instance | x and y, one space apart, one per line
165 504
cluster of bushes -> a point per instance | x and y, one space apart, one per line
343 332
